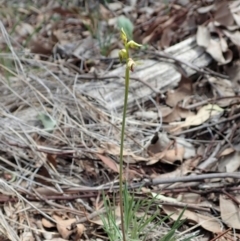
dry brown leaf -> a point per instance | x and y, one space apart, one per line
189 149
224 88
63 226
113 149
222 13
209 223
229 212
223 43
233 36
236 17
165 110
26 236
154 29
44 171
174 155
215 50
109 162
234 75
156 158
24 29
47 224
229 163
166 38
177 114
80 230
46 234
168 156
190 198
183 91
160 143
183 170
203 115
47 191
41 45
105 13
226 152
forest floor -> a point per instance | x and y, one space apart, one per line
60 125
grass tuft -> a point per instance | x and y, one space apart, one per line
141 219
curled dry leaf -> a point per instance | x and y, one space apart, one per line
80 230
215 50
109 162
47 224
63 226
230 212
214 47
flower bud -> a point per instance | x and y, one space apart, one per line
130 64
122 54
133 45
123 36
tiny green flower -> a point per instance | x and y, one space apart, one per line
133 45
131 64
122 54
123 36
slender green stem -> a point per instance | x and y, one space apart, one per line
121 151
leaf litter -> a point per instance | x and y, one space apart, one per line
60 147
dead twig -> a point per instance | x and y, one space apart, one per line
179 61
157 181
194 178
221 234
